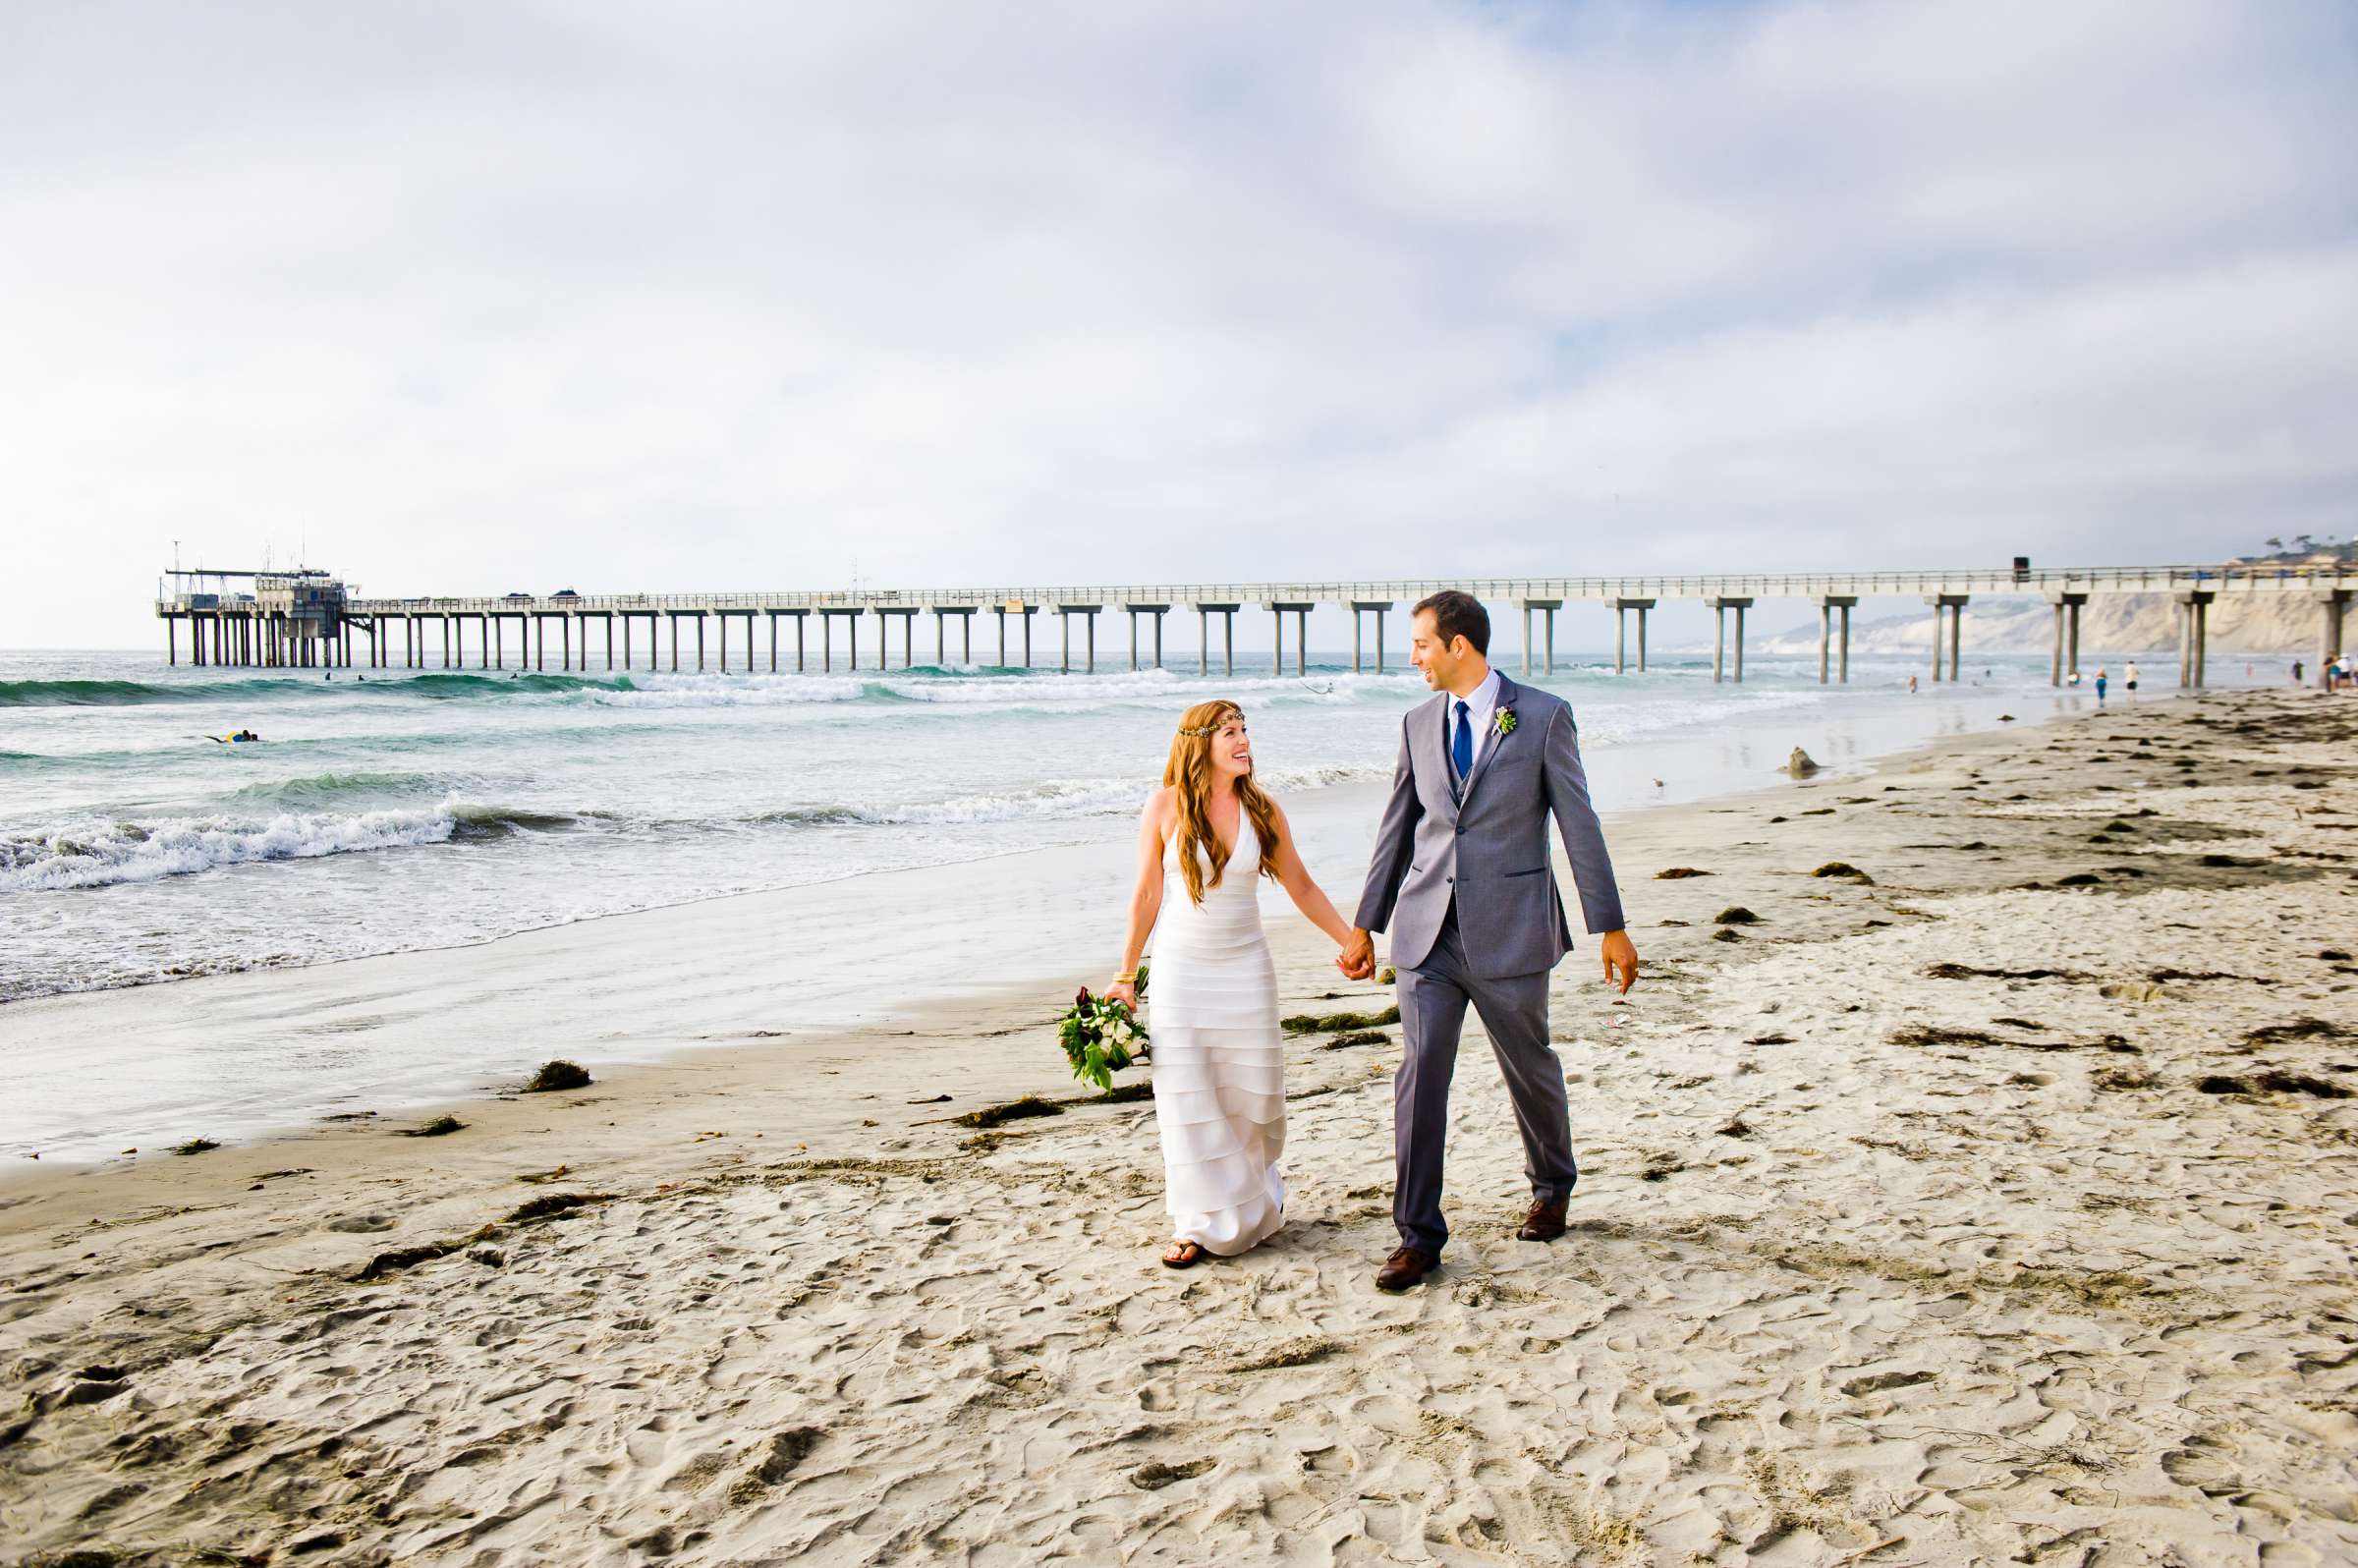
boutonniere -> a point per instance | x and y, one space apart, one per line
1503 721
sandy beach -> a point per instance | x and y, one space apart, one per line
1970 1179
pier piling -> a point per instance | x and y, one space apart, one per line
826 636
1135 610
1360 607
2194 625
1621 607
2333 605
1279 609
1721 604
1948 618
1204 611
1089 622
1828 604
1548 609
1016 607
907 617
2067 635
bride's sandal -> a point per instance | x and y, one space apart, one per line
1182 1254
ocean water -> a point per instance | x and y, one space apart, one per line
422 810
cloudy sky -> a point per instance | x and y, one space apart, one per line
480 296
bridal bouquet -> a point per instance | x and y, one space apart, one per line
1100 1038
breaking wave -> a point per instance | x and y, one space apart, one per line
106 854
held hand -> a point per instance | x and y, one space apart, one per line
1122 991
1357 960
1620 953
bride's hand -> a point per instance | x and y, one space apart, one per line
1124 992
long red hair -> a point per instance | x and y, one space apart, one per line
1189 772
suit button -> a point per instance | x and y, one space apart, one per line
1461 832
1449 878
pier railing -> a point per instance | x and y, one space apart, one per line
1344 591
236 629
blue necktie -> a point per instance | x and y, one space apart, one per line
1461 750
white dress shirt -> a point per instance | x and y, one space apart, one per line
1481 707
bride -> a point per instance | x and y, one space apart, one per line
1204 842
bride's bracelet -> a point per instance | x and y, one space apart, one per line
1128 977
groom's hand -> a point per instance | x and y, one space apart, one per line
1357 960
1620 953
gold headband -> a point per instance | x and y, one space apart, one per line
1206 731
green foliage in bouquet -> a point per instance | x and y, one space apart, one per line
1097 1035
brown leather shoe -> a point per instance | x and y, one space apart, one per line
1405 1267
1544 1223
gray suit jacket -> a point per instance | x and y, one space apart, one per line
1485 846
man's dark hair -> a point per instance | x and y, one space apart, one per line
1455 615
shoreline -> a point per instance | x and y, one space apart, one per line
682 1059
1903 1224
999 1006
161 1034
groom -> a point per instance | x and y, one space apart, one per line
1461 874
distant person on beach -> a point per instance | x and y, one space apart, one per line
2073 679
2101 679
1204 841
2296 672
2129 678
1911 686
1461 877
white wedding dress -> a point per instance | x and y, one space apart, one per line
1220 1061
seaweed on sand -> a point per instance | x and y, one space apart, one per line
1012 1111
401 1257
555 1206
1336 1022
1969 972
1937 1035
2298 1029
2285 1083
559 1073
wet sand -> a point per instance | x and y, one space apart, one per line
1991 1201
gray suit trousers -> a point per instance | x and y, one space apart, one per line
1432 1015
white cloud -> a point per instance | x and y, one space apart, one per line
708 296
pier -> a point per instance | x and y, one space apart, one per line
304 618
